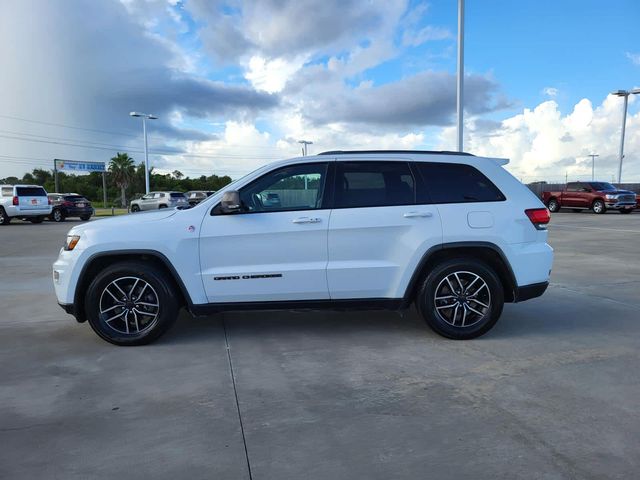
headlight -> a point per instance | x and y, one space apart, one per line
611 197
72 241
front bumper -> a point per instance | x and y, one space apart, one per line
620 205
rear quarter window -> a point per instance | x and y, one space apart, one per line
31 192
455 183
7 191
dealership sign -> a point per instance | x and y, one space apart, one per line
75 166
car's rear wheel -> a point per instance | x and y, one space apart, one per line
599 207
131 304
135 208
553 205
4 218
461 299
36 219
57 215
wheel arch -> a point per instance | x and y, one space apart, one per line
487 252
98 261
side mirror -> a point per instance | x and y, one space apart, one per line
230 202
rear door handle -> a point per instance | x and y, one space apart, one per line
307 220
417 214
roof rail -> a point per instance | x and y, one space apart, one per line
427 152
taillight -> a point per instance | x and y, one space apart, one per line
49 201
16 201
67 203
539 217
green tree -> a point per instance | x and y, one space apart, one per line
122 170
177 174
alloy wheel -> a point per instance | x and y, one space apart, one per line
129 306
462 299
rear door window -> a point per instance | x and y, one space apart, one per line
373 184
31 192
455 183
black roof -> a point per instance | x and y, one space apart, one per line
427 152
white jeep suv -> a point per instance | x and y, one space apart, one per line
454 233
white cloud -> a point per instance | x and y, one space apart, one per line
272 75
634 57
426 34
550 92
544 144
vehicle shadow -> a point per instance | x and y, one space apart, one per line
557 315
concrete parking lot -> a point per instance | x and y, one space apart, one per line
552 392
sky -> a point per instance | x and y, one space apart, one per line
237 84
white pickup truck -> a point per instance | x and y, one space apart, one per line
27 202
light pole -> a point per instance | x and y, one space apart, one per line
304 146
459 96
625 94
593 165
144 117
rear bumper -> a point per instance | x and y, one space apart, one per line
19 212
77 212
527 292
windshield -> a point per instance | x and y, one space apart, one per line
177 195
602 186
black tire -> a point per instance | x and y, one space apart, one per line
553 205
159 289
162 206
598 207
576 210
84 218
57 215
135 208
36 219
625 210
436 282
4 218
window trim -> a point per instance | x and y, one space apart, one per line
425 184
327 196
352 161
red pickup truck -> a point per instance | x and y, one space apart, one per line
597 196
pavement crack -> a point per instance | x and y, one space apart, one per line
235 392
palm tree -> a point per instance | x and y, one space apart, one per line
121 168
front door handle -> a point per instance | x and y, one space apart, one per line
417 214
307 220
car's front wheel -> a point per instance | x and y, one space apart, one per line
131 303
599 207
461 298
4 218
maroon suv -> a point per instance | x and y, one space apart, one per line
597 196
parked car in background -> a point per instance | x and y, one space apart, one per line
455 233
26 202
596 196
637 200
156 200
194 197
65 205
